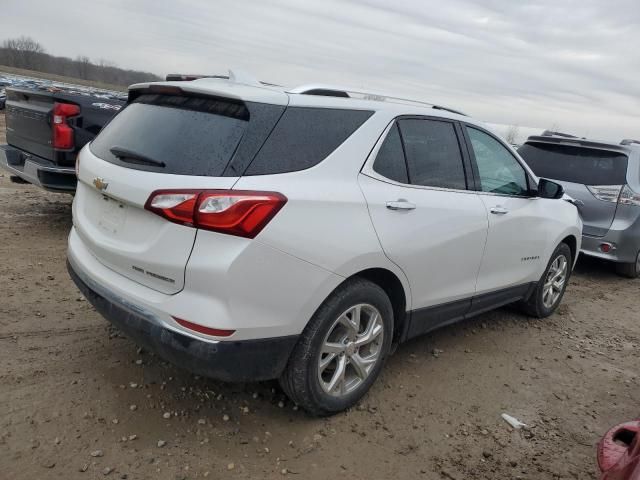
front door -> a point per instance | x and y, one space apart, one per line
517 219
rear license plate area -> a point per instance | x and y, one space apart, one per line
112 215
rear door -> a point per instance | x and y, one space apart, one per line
595 177
158 142
427 221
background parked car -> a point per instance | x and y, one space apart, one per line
604 179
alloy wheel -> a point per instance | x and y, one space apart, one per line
351 350
554 283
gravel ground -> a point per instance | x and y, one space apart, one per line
78 400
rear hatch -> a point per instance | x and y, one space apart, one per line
168 137
593 176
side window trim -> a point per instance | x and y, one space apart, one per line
463 144
473 183
404 150
474 164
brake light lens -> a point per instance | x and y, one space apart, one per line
216 332
629 197
234 212
606 193
63 137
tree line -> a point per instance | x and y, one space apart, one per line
27 53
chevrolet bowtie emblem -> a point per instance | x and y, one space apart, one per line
100 184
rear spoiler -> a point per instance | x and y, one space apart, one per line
578 142
237 76
181 77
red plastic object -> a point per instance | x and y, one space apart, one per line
619 452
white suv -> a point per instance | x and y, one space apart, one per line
246 232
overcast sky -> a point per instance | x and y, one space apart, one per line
572 64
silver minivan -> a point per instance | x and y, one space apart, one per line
604 181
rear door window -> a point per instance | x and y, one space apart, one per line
432 149
567 163
178 135
305 136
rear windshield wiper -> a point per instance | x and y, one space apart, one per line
125 154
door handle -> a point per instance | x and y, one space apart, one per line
401 204
499 210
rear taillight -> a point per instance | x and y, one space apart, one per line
629 197
606 193
63 133
234 212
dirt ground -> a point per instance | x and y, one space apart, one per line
79 401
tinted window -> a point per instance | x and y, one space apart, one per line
390 159
498 169
575 164
190 136
304 137
433 153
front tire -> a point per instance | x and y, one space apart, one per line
550 289
342 350
629 270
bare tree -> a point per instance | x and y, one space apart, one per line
24 52
512 134
84 64
103 63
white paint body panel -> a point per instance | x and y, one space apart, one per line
438 245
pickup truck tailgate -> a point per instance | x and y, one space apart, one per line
28 120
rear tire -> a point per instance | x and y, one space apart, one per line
342 350
629 270
550 289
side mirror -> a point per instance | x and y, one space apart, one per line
549 189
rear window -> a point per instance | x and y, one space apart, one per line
179 135
304 137
218 137
575 164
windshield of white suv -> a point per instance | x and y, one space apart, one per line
588 166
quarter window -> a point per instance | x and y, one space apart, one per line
498 169
390 159
433 153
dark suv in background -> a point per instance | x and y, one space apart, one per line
604 180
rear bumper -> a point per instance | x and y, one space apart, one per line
229 361
36 170
626 244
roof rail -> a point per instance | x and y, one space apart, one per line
629 141
346 92
551 133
